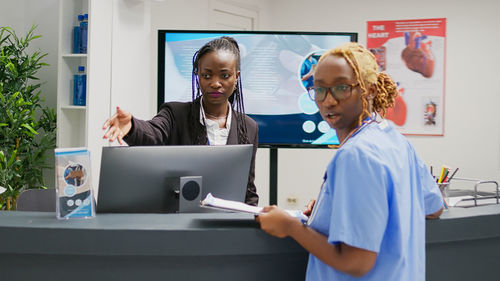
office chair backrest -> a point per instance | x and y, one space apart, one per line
42 200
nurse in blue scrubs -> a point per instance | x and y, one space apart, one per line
368 222
307 70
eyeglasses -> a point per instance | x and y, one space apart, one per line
339 92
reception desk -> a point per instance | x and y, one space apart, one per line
209 246
463 245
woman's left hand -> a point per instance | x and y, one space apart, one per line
276 221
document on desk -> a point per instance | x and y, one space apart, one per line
216 203
453 201
468 201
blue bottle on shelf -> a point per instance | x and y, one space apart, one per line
77 36
83 33
80 87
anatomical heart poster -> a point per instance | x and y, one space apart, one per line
413 53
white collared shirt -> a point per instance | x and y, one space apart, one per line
216 135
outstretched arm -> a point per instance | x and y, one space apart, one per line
118 125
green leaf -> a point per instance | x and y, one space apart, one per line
12 158
14 96
11 67
27 126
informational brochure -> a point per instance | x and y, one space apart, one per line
73 183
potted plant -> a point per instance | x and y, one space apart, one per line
27 128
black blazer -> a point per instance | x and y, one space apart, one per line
171 126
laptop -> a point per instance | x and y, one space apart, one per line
145 179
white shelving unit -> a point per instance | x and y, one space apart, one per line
71 120
80 126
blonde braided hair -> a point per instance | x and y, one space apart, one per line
365 68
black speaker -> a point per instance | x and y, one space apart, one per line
190 194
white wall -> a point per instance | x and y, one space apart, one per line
131 58
21 15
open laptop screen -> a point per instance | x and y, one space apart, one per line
138 179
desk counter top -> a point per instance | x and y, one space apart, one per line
213 246
139 234
461 224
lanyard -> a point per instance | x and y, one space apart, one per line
366 121
318 202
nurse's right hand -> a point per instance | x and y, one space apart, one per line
276 221
118 125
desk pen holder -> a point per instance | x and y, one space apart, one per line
444 188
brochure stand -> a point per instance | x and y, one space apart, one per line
74 194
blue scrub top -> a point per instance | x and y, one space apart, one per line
376 194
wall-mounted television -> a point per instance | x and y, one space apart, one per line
274 72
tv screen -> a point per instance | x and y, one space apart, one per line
275 73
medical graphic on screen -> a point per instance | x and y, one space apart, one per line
276 70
